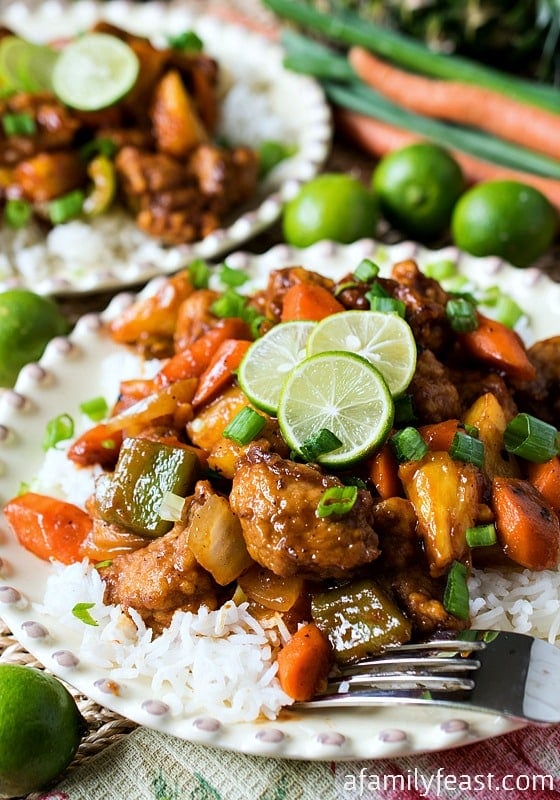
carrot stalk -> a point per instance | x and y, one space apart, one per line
462 103
220 370
379 138
48 527
500 347
309 301
304 662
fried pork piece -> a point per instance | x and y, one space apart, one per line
434 395
472 384
402 566
160 579
276 501
271 299
425 302
541 397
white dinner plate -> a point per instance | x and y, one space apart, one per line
111 252
68 374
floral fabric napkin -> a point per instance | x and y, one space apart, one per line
148 765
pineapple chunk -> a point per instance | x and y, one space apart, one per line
177 127
487 415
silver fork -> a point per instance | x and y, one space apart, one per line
513 674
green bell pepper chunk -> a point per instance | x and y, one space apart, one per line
131 497
358 618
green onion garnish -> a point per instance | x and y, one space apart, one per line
337 500
108 444
245 426
187 40
461 314
17 213
388 305
229 304
366 271
408 445
199 273
58 430
404 409
440 270
456 594
467 448
376 290
103 564
81 612
67 207
481 536
531 438
98 147
96 408
272 153
19 125
232 277
320 443
506 311
172 506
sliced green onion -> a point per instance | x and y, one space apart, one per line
245 426
404 409
199 273
58 429
171 508
187 40
531 438
232 277
108 444
103 564
366 271
353 480
461 314
440 270
507 311
481 536
467 448
229 304
338 500
472 430
96 408
67 207
376 290
255 324
342 287
81 612
19 125
98 147
320 443
408 445
388 305
272 153
456 594
17 213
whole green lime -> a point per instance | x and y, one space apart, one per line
418 186
27 322
331 206
504 218
40 729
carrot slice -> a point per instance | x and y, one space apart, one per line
546 478
439 435
98 445
48 527
384 473
304 662
500 347
309 301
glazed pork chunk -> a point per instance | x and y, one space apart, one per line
276 500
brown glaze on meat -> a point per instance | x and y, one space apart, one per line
434 395
542 396
276 501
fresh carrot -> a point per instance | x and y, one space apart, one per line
546 478
500 347
97 445
462 103
527 527
48 527
379 138
439 435
220 370
192 362
304 662
384 473
308 301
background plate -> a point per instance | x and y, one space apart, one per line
69 373
111 252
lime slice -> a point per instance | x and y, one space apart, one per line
25 66
267 362
94 71
342 393
386 340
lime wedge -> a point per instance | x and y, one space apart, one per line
342 393
25 66
94 71
386 340
267 362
